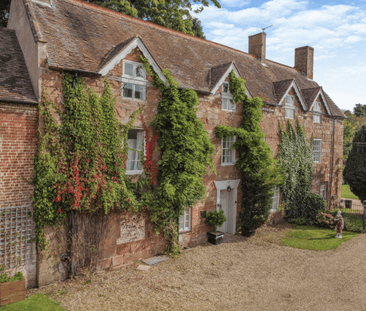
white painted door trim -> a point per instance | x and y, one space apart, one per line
223 185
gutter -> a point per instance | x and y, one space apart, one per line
13 101
332 163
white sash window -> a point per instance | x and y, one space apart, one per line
290 107
134 80
227 98
135 143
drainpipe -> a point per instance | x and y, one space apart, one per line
72 213
332 164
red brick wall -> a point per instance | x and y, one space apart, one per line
18 142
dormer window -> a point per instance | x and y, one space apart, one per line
227 98
290 107
134 80
316 112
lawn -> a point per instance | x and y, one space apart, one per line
347 194
315 238
37 302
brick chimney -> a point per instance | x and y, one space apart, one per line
257 45
304 60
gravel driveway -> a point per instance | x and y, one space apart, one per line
250 274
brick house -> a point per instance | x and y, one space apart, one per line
71 35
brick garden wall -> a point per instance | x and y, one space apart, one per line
18 143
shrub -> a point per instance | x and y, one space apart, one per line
325 220
307 205
352 222
215 218
17 277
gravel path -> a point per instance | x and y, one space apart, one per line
250 274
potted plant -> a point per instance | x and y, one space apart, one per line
12 289
216 219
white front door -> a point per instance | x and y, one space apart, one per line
227 205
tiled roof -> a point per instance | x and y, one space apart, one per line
216 74
310 94
280 88
79 35
15 84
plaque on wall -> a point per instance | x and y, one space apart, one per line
132 229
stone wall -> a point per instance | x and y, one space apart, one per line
129 237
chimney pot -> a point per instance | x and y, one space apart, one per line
257 45
304 60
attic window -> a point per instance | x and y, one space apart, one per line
316 112
227 98
134 80
290 107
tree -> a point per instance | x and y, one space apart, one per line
360 110
174 14
355 171
4 12
351 125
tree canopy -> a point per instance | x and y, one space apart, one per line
174 14
355 171
360 110
351 125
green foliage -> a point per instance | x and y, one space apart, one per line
296 159
80 163
174 14
186 151
351 125
259 173
215 218
17 277
4 12
359 110
347 194
355 171
314 238
39 302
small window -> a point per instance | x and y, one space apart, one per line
227 98
135 145
290 107
185 220
323 190
134 80
228 154
317 112
317 150
275 198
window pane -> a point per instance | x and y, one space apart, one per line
140 73
225 87
289 100
134 157
316 118
290 113
139 91
224 103
127 90
232 106
128 69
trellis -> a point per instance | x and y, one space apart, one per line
16 230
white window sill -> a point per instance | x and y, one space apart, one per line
227 164
228 110
185 231
134 99
134 172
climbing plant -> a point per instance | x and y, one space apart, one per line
186 151
80 164
296 159
259 172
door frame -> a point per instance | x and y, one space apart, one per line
223 185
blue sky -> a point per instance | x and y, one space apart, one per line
336 30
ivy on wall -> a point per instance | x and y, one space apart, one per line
296 159
259 172
81 162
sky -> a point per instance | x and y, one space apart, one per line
335 29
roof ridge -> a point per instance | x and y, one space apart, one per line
104 10
272 61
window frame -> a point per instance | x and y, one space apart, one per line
320 150
317 112
290 107
222 152
134 80
182 220
227 96
137 172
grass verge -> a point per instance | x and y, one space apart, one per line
315 238
37 302
347 194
